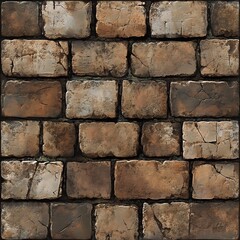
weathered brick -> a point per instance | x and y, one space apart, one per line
20 138
144 99
211 140
121 19
166 220
219 57
116 222
91 99
139 179
109 139
88 180
31 99
225 18
99 58
161 139
24 220
67 19
215 180
71 221
178 19
31 179
33 58
160 59
20 18
58 139
204 99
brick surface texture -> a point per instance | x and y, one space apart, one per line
119 120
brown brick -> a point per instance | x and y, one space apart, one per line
160 59
219 57
67 19
204 99
88 180
58 139
116 222
140 179
20 138
31 99
211 140
214 220
178 19
71 221
121 19
161 139
109 139
20 19
34 58
172 217
99 58
215 180
25 220
91 99
225 19
144 99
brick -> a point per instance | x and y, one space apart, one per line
71 221
214 220
28 179
89 180
99 58
109 139
25 220
20 19
161 139
67 19
174 19
204 99
219 57
139 179
121 19
91 99
225 19
166 220
145 99
160 59
43 58
215 180
31 99
211 140
116 222
20 138
58 139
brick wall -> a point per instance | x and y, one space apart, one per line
119 120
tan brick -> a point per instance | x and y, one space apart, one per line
204 99
31 99
91 99
211 140
219 57
144 99
67 19
34 58
99 58
142 179
20 138
121 19
58 139
178 19
109 139
116 222
159 59
161 139
89 180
